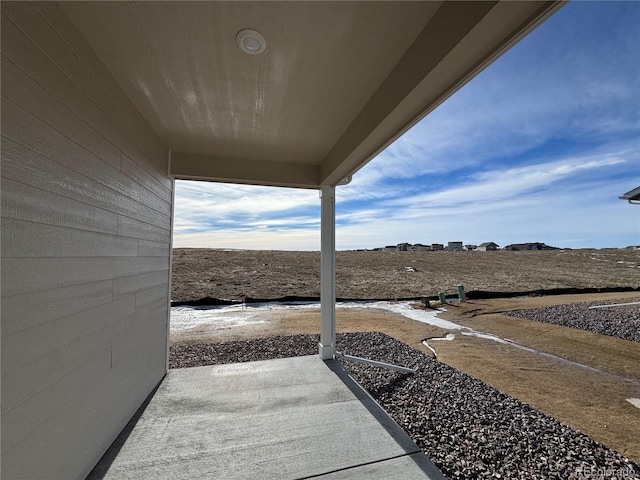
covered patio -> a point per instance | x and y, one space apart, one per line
293 418
104 106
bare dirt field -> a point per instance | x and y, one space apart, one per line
230 274
581 378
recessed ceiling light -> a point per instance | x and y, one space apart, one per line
251 42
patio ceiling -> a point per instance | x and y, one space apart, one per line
337 83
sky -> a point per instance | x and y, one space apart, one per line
537 148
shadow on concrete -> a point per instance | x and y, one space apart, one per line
385 420
102 467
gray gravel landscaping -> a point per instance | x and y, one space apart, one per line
469 429
622 322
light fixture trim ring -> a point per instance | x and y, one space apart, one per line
251 42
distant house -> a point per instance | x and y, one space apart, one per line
403 247
470 247
389 248
454 246
437 246
488 247
418 247
528 246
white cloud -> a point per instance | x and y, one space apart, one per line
571 78
498 185
251 239
201 204
224 199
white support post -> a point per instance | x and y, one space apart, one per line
327 346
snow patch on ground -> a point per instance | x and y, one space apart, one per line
448 337
634 401
227 316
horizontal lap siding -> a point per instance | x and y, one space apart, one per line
86 232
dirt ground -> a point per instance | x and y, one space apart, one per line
591 401
230 274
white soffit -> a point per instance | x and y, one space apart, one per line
336 83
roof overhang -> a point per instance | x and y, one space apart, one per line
337 83
632 196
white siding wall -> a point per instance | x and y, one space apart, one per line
86 228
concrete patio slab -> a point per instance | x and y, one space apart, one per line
293 418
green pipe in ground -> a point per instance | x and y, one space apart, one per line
461 294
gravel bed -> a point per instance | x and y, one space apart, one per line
268 348
621 322
469 429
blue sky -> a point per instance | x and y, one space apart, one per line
538 147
